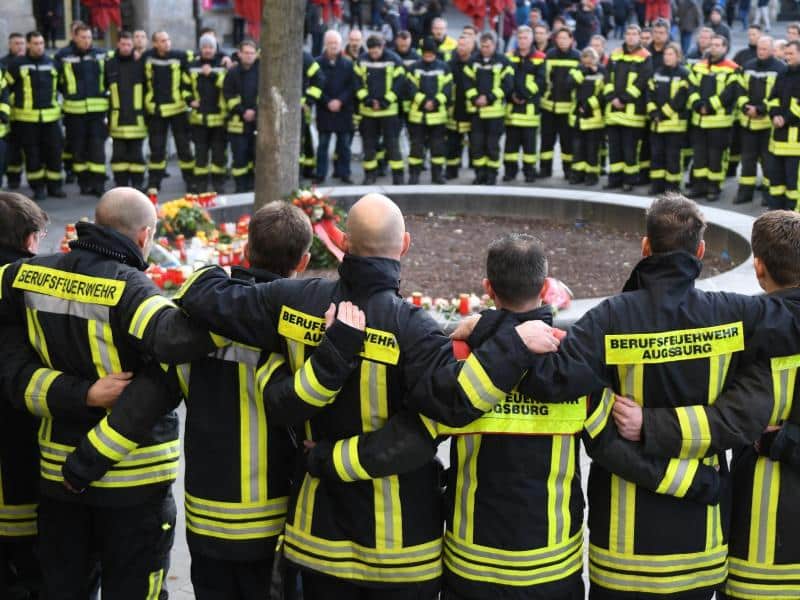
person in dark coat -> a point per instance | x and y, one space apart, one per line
622 9
586 23
335 109
50 16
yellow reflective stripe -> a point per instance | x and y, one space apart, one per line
36 391
309 389
433 428
304 510
764 511
467 448
784 378
184 374
597 421
155 581
265 371
249 530
69 286
190 280
145 312
388 513
120 478
102 348
657 563
345 460
559 487
746 589
373 396
678 477
17 520
695 431
717 372
2 275
110 443
146 455
233 511
477 386
36 335
253 437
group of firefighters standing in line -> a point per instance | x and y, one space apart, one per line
314 409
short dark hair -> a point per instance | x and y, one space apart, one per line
561 30
488 36
471 28
403 34
795 26
662 23
674 223
795 43
32 34
516 266
248 42
14 34
279 235
776 241
375 40
721 37
206 30
755 26
20 217
125 35
80 27
75 26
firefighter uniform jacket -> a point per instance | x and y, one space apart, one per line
446 47
528 86
313 80
383 531
557 96
241 93
664 344
409 59
492 77
207 89
125 83
5 108
460 119
715 86
429 81
588 98
167 83
629 70
89 313
667 93
757 82
785 102
33 85
82 80
383 80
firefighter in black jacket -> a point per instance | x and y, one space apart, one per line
166 96
85 103
430 89
667 92
5 118
241 95
206 77
380 88
586 119
490 81
13 161
387 532
784 110
313 82
757 82
629 70
35 114
126 125
409 56
522 111
557 103
89 313
459 120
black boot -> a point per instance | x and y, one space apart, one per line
530 173
656 188
398 177
452 172
55 190
437 177
510 173
39 193
713 193
591 179
744 195
576 177
137 181
370 177
413 176
480 177
699 189
614 182
491 176
545 171
13 182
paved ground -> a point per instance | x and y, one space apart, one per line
76 207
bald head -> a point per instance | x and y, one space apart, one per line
375 227
129 212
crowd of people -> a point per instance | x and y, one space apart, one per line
314 408
642 114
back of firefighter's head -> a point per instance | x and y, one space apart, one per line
24 224
516 267
279 239
375 227
674 223
375 46
776 249
130 213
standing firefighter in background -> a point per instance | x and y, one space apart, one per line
380 86
586 119
522 112
490 80
206 76
35 114
125 84
166 96
241 95
629 70
430 90
784 110
459 122
13 159
713 87
313 81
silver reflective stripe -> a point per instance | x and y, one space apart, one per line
346 463
785 571
470 551
466 481
276 506
469 372
40 402
722 359
394 573
622 517
255 442
102 346
370 554
11 511
161 62
267 529
694 427
715 541
160 453
783 398
686 563
121 450
570 564
376 421
629 380
599 413
118 477
774 589
50 469
654 584
563 463
70 308
680 474
239 354
304 503
388 512
56 451
302 377
763 515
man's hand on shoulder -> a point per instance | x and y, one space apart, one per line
539 337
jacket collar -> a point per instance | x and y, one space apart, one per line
109 243
10 255
671 272
368 275
542 313
254 274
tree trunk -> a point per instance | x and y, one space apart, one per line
279 112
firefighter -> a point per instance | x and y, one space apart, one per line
166 96
490 81
459 122
784 188
713 88
629 70
35 117
586 118
5 118
313 82
102 315
445 45
757 82
389 529
742 57
13 160
522 111
667 92
126 124
557 103
380 86
241 95
85 104
404 49
206 76
431 89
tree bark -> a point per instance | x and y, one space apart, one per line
279 111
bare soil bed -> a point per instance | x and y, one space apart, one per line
448 254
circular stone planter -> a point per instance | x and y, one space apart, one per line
727 230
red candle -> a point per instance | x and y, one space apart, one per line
463 304
416 298
153 194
